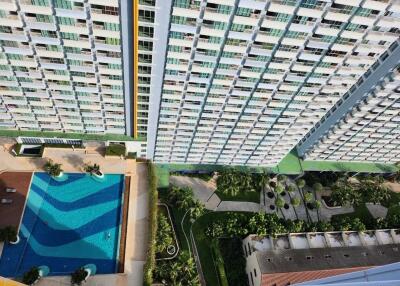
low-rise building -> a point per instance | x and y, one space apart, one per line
297 257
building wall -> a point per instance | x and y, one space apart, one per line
145 45
370 131
244 81
253 271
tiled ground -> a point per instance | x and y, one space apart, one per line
10 214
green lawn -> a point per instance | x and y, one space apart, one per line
162 176
360 212
240 197
290 164
204 246
347 167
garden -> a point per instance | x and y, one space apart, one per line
315 202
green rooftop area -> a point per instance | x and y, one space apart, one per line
83 136
290 165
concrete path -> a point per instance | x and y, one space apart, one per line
137 232
204 192
238 207
377 211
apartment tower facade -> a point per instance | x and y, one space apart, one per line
243 82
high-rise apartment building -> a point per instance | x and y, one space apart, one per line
65 66
239 82
242 82
367 132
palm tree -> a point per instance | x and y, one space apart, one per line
318 187
279 202
196 210
31 276
93 169
295 201
78 276
308 197
301 183
291 189
53 169
317 205
279 188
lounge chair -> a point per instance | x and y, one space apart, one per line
6 201
11 190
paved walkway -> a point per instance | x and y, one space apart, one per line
204 192
238 207
377 211
71 160
137 235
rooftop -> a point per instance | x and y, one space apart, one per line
297 252
297 260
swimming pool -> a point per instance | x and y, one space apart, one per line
68 223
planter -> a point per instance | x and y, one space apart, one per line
171 249
16 241
286 206
310 206
270 195
283 194
98 174
328 205
272 207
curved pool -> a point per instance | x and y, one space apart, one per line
67 224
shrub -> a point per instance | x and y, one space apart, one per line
115 150
164 236
31 276
308 197
295 201
343 193
179 271
279 202
374 192
318 187
214 230
347 223
153 200
291 189
8 234
53 169
301 183
78 276
279 188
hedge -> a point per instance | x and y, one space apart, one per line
153 200
115 150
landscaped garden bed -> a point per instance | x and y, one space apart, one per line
233 185
167 245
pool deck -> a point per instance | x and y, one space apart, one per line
72 160
11 214
136 236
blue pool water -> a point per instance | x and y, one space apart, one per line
68 223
